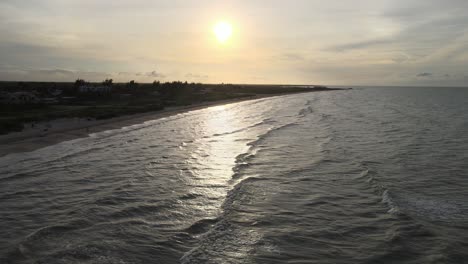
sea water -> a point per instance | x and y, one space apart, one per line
369 175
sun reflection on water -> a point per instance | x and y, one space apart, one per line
213 157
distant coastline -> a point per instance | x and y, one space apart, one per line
34 137
24 103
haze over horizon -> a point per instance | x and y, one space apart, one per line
354 43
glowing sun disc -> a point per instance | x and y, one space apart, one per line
222 31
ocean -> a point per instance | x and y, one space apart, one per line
369 175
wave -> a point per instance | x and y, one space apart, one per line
306 111
190 196
201 226
55 230
39 166
211 230
261 138
25 248
414 205
261 123
433 209
16 176
137 211
243 162
13 194
387 198
131 128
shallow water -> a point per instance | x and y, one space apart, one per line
370 175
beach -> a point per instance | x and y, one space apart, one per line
39 135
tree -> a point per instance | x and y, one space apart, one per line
80 82
131 84
108 82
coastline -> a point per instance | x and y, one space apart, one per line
27 141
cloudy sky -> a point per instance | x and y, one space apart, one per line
359 42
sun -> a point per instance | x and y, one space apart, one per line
222 31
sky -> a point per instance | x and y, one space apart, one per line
346 42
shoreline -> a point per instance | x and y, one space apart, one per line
27 141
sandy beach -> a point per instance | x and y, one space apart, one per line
49 133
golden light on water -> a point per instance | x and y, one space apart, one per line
222 31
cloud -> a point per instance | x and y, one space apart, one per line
12 73
125 73
155 74
142 76
359 45
55 72
196 76
291 56
424 74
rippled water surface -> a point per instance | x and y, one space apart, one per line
370 175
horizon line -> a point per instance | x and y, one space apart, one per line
263 84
